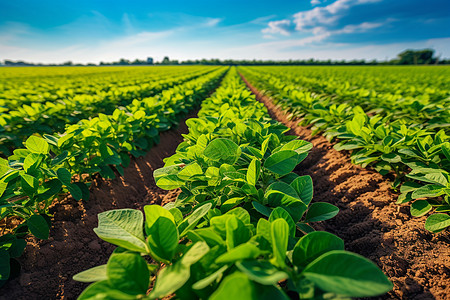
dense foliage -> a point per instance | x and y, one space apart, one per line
394 120
45 100
32 177
239 229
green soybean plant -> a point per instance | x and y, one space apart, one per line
240 226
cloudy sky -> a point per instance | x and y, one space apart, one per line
94 31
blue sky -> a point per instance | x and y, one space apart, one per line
93 31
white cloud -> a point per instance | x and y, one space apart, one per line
212 22
363 27
282 27
326 15
315 2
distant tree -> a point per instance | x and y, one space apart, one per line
165 61
416 57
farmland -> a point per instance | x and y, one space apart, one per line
207 181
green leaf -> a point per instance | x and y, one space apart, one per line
437 222
303 185
262 209
153 212
190 170
37 145
347 274
5 267
313 245
282 162
173 277
420 208
103 290
239 286
262 272
298 146
279 230
93 274
237 233
445 147
320 211
253 171
128 272
214 277
65 176
280 194
38 227
123 228
163 239
29 184
429 190
223 150
192 220
241 252
280 213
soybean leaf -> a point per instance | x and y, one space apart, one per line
175 276
38 226
279 230
280 213
303 185
163 239
253 171
420 208
103 290
262 272
128 272
123 228
239 286
313 245
437 222
93 274
347 274
153 212
37 145
223 150
214 277
241 252
5 267
191 221
281 162
320 211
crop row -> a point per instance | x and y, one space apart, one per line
33 177
239 229
53 116
404 138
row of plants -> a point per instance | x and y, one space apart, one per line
53 116
387 84
34 176
19 86
416 149
239 229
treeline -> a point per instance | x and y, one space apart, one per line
407 57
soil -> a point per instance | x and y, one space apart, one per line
48 266
369 221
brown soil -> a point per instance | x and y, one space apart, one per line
48 266
369 221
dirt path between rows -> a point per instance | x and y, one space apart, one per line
369 221
48 266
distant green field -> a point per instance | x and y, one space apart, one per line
47 99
